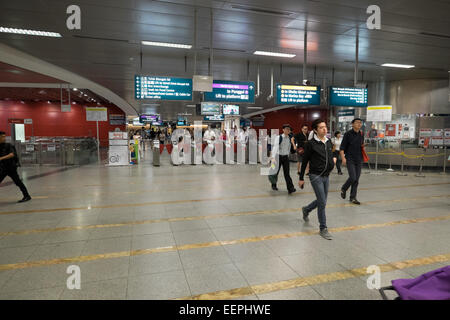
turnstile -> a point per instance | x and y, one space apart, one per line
156 154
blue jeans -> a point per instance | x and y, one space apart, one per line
320 186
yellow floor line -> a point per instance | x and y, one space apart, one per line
31 264
314 280
145 204
191 218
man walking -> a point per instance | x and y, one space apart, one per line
319 155
284 148
8 165
351 156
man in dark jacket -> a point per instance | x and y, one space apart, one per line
8 165
351 156
319 155
301 139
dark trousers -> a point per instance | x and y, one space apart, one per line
338 160
320 186
284 162
354 171
12 173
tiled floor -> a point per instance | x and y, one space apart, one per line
216 229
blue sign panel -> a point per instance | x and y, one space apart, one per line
219 117
231 91
162 88
297 94
348 97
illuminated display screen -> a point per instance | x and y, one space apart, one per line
231 91
162 88
296 94
349 97
230 109
218 117
210 108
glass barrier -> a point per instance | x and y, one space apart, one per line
58 151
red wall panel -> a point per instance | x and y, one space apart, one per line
49 121
295 117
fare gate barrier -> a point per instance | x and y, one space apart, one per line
156 153
57 151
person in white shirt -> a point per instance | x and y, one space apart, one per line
209 135
337 140
283 150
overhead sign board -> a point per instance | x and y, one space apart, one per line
96 114
162 88
219 117
231 91
346 115
297 94
351 97
379 113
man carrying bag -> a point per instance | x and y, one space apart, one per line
9 162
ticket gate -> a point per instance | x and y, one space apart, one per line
156 154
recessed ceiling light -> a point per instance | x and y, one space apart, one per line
169 45
30 32
254 107
274 54
395 65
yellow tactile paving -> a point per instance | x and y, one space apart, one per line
145 204
208 244
313 280
191 218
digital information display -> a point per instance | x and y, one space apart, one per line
348 97
231 91
162 88
296 94
230 109
146 118
218 117
210 108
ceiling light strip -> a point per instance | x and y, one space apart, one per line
396 65
169 45
274 54
30 32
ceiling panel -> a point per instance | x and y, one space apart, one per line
107 49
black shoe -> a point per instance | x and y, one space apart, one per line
274 187
292 191
343 194
25 199
354 201
305 214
